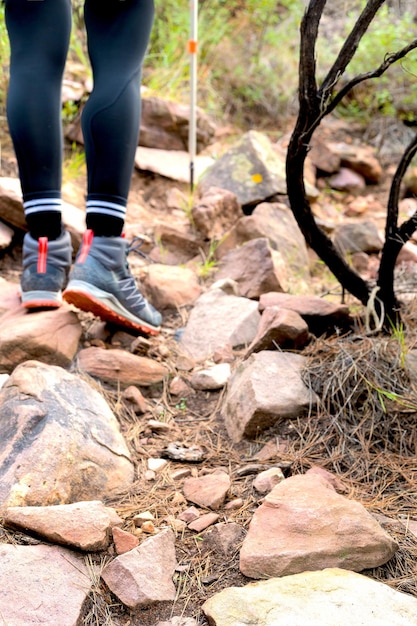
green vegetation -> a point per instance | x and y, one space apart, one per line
248 57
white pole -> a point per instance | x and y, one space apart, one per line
192 49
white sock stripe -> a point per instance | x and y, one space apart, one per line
42 209
98 204
102 211
55 204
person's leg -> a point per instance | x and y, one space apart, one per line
118 34
39 37
100 282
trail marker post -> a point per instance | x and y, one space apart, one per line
192 49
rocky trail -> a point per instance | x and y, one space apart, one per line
252 464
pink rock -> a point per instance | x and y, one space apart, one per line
143 576
41 585
82 525
279 327
121 368
208 491
303 524
123 540
203 522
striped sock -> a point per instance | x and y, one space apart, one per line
105 218
43 216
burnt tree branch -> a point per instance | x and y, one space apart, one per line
314 104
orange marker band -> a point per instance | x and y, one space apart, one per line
192 46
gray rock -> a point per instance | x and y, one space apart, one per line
41 585
327 598
251 169
263 390
217 319
358 237
143 575
60 441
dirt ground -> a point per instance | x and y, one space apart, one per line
369 441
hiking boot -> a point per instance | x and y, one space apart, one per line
45 271
101 283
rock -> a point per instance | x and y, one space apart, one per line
41 584
124 541
253 404
47 336
360 159
133 396
143 576
189 515
214 377
9 296
320 315
171 287
120 368
164 124
275 222
216 319
224 538
83 525
6 236
208 491
11 210
358 237
253 268
323 598
180 243
279 328
251 169
322 157
348 181
60 441
215 212
174 164
203 522
303 524
268 479
11 205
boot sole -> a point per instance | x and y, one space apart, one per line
41 300
85 301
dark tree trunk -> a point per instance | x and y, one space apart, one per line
314 104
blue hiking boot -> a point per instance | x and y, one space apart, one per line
101 283
45 271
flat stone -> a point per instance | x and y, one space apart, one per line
120 368
81 525
209 491
320 598
41 585
48 336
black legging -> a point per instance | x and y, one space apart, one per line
39 32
